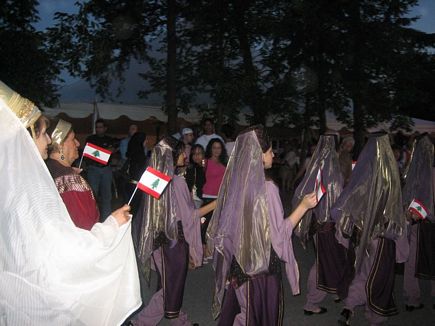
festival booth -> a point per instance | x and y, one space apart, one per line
152 120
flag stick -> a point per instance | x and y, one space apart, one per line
81 160
135 189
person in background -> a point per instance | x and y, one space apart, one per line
73 188
345 157
229 133
137 164
99 175
208 133
216 160
123 144
195 175
187 138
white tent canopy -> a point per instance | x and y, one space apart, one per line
140 112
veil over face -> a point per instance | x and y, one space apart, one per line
240 223
324 158
372 200
418 177
52 273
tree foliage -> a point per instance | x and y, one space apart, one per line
27 66
297 59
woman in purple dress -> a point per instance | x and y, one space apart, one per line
251 237
169 235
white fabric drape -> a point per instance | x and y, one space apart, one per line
52 273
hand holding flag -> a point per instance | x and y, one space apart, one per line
152 182
416 207
319 188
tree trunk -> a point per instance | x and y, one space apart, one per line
356 80
171 91
253 96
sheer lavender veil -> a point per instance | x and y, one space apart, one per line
326 158
418 179
240 223
157 215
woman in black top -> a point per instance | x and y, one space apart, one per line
195 175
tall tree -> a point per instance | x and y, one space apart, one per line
27 65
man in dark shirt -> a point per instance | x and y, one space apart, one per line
99 175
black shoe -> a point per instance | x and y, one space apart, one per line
412 308
195 324
346 316
321 311
337 300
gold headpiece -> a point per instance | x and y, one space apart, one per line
60 132
24 109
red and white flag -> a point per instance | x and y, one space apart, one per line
319 188
353 164
153 182
97 153
418 209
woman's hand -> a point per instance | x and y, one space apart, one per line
309 200
122 215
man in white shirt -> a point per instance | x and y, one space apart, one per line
208 133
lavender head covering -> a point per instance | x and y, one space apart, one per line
325 157
158 215
240 223
372 201
418 178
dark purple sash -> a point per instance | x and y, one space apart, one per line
174 272
265 300
380 283
331 259
264 296
230 308
425 262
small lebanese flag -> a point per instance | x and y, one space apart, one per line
353 164
97 153
153 182
418 209
319 188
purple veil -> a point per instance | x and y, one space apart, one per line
418 178
372 201
325 157
157 215
240 223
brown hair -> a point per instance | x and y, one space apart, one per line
262 136
38 125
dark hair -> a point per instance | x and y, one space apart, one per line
262 136
204 120
176 146
223 158
229 131
38 125
135 149
100 121
192 149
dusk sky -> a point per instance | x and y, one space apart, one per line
47 8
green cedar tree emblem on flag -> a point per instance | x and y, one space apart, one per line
155 184
96 154
419 208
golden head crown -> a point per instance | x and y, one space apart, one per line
24 109
62 130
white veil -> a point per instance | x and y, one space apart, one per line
52 273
